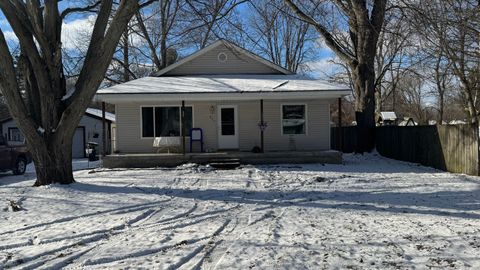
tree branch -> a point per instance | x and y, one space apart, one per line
341 51
10 90
89 8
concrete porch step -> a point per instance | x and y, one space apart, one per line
220 160
224 163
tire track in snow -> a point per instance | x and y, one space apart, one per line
84 241
214 241
120 210
62 260
137 227
221 251
30 242
164 248
97 235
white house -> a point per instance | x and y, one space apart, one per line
239 100
89 130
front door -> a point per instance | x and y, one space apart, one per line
227 127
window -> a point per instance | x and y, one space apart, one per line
293 119
147 122
165 121
15 135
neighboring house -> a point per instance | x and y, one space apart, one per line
457 122
408 122
89 130
226 92
387 119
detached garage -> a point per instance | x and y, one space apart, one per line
89 130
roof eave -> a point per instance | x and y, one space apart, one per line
216 96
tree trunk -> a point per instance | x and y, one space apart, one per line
363 76
441 109
53 163
126 57
472 110
378 101
49 132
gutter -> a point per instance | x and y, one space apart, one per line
215 96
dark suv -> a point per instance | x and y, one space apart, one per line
13 158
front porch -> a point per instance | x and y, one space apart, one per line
174 159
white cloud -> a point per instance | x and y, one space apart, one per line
10 36
324 68
4 23
76 34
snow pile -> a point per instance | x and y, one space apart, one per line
371 213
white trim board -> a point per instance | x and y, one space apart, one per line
236 136
142 97
306 118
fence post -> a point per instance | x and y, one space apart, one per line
340 133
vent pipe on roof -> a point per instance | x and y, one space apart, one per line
280 85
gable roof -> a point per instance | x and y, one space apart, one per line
388 115
229 45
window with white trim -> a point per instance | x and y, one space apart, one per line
293 119
165 121
15 135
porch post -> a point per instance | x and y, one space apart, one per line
340 131
183 127
262 139
104 131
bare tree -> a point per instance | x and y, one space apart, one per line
412 98
211 20
451 29
51 115
279 36
156 29
365 21
393 59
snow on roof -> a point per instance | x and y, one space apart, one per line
457 122
96 112
388 115
221 84
408 122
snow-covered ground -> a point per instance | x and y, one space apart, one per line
371 213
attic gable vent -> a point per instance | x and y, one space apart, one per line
222 57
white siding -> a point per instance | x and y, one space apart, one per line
205 116
317 136
208 63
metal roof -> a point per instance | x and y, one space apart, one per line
226 86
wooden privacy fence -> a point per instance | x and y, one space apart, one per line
452 148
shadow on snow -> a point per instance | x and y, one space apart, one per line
441 203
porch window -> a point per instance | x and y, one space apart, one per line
165 121
15 135
293 119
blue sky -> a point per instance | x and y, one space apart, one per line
78 22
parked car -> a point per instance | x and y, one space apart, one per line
13 158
